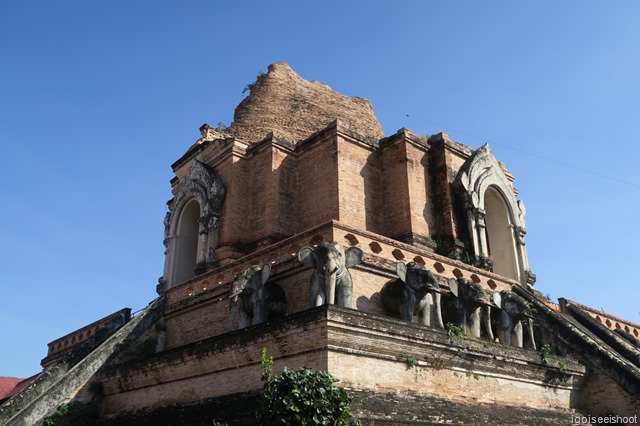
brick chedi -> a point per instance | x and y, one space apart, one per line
398 263
283 103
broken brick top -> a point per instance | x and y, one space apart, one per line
293 109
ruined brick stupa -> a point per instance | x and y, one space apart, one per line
304 230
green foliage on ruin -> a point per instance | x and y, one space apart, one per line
73 413
545 353
410 360
136 350
483 261
250 86
302 397
455 331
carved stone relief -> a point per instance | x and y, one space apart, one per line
202 185
480 173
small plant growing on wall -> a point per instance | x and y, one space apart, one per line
302 397
73 414
409 360
455 331
136 350
547 358
545 353
250 86
484 262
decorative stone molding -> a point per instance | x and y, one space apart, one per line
201 184
482 172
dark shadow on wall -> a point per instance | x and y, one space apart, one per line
371 304
371 174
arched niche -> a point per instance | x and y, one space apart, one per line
191 226
494 217
499 227
186 243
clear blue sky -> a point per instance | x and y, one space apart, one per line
97 99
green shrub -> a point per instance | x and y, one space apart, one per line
455 331
410 360
302 397
73 414
545 353
136 350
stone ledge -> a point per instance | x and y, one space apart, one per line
361 349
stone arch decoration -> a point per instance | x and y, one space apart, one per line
480 178
201 185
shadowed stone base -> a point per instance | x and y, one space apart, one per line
372 408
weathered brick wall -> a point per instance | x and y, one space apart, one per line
358 184
441 191
213 368
371 408
602 396
293 108
394 189
397 189
367 353
377 408
283 185
316 197
199 309
405 188
260 198
419 186
232 172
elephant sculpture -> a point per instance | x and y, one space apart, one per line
513 310
407 296
472 304
255 298
331 281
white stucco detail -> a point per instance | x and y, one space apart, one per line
490 202
202 190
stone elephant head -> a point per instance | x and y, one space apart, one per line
254 298
331 281
473 303
513 311
407 295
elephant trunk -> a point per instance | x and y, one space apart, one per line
233 309
473 322
505 328
487 322
533 341
438 309
330 287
